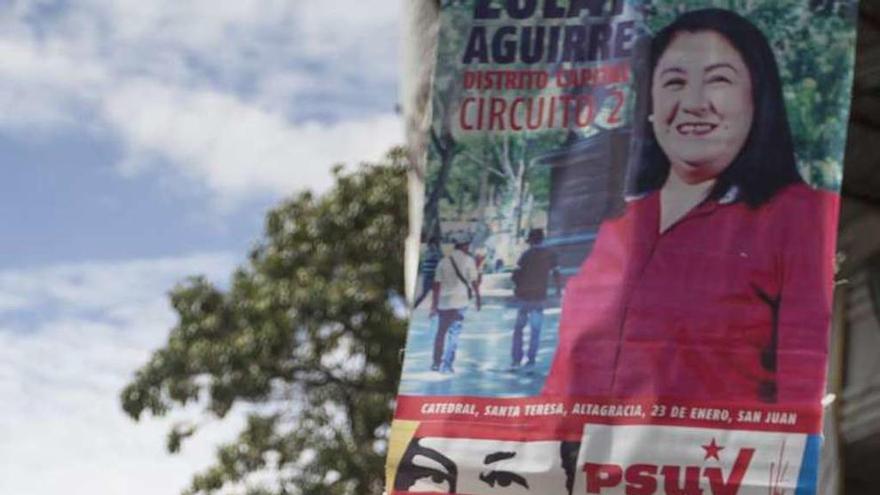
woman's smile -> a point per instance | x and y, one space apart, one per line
698 129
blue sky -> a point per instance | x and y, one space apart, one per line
141 142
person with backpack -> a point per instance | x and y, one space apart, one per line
456 283
530 280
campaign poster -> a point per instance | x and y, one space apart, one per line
628 248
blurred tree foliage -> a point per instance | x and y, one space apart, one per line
305 336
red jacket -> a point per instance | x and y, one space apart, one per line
730 303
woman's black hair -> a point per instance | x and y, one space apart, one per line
766 162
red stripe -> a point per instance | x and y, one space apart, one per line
534 419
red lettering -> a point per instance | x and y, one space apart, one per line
614 118
516 102
470 79
691 480
496 113
585 106
731 486
463 114
532 121
640 479
512 81
601 476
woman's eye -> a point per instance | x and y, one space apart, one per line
675 83
719 80
503 478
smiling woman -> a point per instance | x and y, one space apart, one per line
702 94
716 281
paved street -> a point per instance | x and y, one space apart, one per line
482 363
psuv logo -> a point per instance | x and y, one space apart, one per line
685 460
671 479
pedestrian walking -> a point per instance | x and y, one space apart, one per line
456 283
531 279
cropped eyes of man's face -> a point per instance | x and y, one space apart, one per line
484 467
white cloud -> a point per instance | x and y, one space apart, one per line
9 302
87 327
74 289
246 98
235 148
42 86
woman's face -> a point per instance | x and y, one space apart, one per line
703 108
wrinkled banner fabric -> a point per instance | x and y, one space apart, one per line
628 248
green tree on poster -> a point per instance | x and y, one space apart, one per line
507 176
305 338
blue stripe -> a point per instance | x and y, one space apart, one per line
808 477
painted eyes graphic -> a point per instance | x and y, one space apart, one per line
426 469
503 479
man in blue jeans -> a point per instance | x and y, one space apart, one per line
530 279
456 282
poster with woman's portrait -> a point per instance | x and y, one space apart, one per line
627 269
